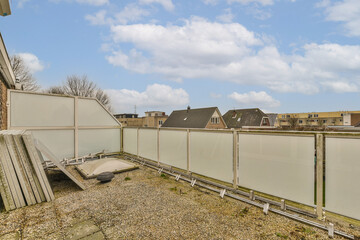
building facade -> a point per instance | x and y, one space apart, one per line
319 119
151 119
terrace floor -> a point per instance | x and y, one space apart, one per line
142 204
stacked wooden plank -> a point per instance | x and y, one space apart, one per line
22 177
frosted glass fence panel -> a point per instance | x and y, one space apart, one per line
342 176
130 140
211 154
148 143
173 148
35 110
97 140
60 142
278 165
92 113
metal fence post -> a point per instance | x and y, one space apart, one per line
188 151
235 156
319 174
137 143
158 145
76 127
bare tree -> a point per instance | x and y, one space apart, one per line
293 122
22 74
81 86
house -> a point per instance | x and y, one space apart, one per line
319 119
154 119
239 118
209 118
151 119
7 81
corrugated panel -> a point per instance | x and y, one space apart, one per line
173 148
278 165
130 140
343 176
211 154
97 140
148 143
33 110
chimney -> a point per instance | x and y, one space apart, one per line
188 108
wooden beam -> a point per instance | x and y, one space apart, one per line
319 174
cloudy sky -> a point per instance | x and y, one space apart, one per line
278 55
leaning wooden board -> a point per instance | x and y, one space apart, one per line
34 157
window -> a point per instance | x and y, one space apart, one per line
316 115
342 114
160 122
324 121
300 121
264 121
310 116
288 116
215 120
282 116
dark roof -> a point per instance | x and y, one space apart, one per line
248 117
195 118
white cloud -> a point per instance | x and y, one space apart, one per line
200 49
129 13
245 2
89 2
210 2
156 96
167 4
99 18
345 11
21 3
32 62
254 99
341 87
227 17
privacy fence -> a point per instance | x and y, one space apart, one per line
288 165
69 126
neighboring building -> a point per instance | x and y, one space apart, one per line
196 118
239 118
154 119
7 81
319 119
151 119
5 8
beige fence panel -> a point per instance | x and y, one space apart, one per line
211 154
148 143
130 140
61 142
173 148
97 140
91 113
69 126
35 110
279 165
342 169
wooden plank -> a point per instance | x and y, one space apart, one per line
320 153
44 150
11 175
19 169
5 190
34 157
29 169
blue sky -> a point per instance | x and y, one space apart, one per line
278 55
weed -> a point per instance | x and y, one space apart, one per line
127 179
281 236
173 189
164 176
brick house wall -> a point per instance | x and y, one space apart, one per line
3 108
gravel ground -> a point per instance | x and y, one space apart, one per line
142 204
